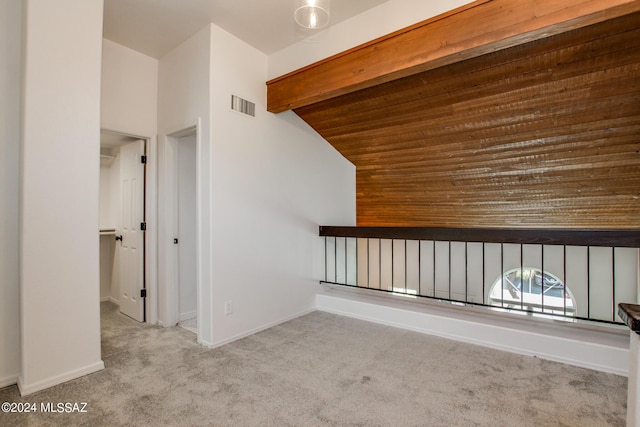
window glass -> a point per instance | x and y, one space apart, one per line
525 289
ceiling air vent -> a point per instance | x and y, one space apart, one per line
243 106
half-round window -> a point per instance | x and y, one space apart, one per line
527 289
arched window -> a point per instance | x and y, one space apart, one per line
525 289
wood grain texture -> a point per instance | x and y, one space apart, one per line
475 29
543 134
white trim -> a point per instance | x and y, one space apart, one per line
258 329
151 235
26 389
105 299
114 300
9 380
601 350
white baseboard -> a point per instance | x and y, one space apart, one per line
105 299
8 380
26 389
256 330
114 300
595 348
187 316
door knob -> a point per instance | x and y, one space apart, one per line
119 238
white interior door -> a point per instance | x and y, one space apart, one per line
131 237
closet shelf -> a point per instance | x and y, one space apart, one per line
106 160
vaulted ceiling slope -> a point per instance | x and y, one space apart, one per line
542 133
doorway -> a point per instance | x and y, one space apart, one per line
180 228
186 237
122 222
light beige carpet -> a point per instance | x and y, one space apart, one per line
322 370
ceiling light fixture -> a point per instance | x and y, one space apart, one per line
312 14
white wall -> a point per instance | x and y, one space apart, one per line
10 39
129 89
60 322
264 186
390 16
274 182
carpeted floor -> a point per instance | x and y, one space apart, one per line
322 370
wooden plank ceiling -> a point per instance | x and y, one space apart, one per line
543 134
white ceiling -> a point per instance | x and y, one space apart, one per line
155 27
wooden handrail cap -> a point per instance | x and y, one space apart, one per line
630 314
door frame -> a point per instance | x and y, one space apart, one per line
151 218
168 230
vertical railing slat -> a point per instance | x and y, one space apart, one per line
564 281
521 277
335 254
588 282
502 274
326 260
392 267
379 263
483 274
542 284
434 269
613 284
449 295
466 273
343 267
368 265
419 267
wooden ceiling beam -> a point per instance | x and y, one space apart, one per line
470 31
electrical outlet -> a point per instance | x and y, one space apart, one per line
228 307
